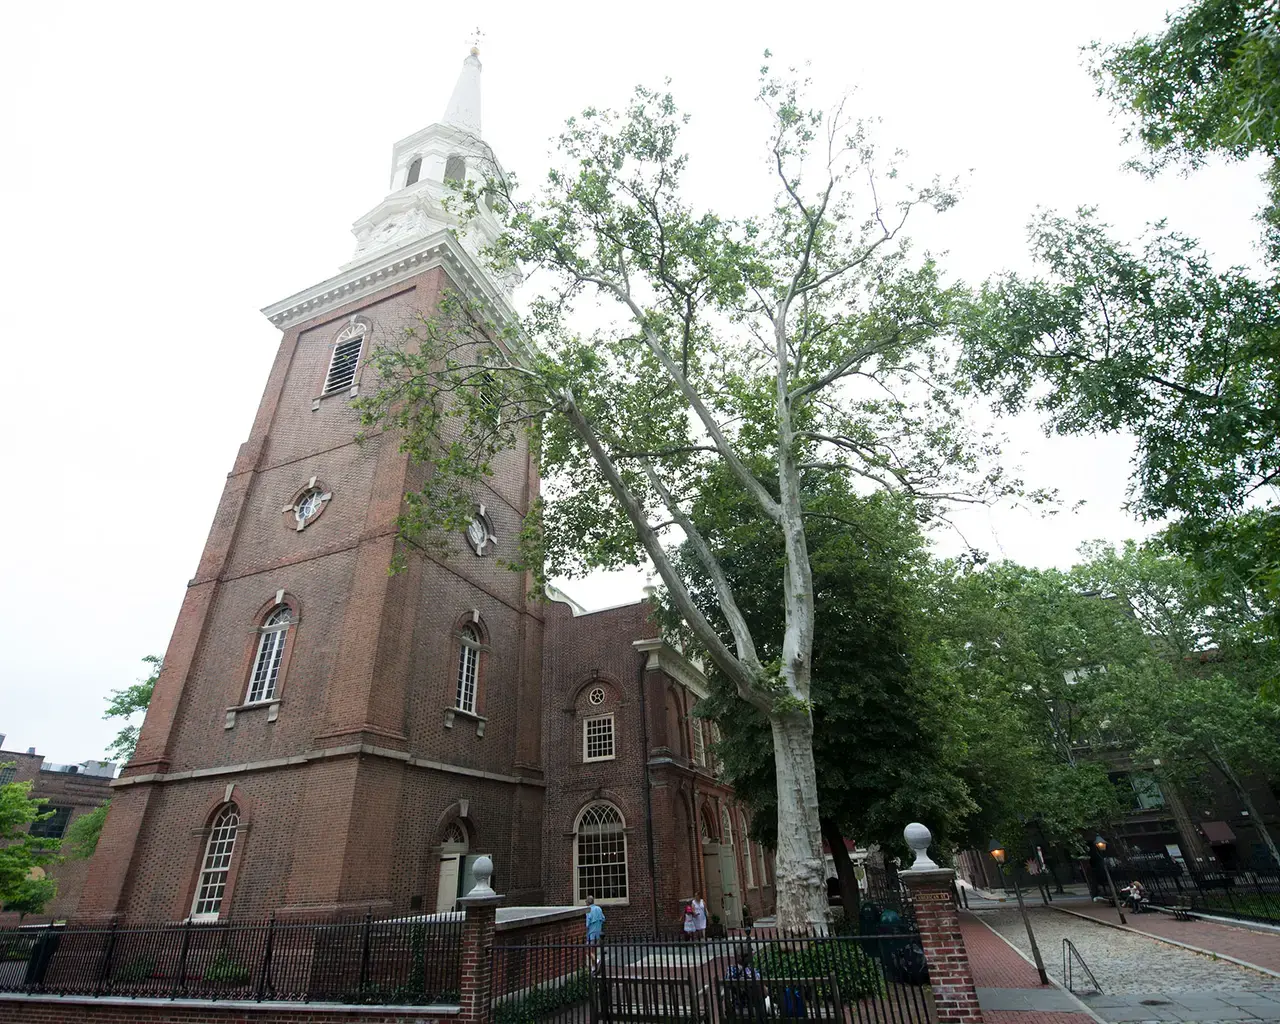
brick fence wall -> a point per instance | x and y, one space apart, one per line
56 1010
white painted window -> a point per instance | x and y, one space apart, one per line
600 855
597 738
346 359
726 827
217 865
468 669
747 855
699 742
266 665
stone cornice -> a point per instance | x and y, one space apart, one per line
320 755
665 658
441 249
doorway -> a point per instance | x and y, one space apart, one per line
453 854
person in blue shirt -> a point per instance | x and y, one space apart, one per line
595 930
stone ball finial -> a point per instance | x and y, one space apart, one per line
483 870
918 838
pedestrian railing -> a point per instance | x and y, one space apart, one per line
1071 959
404 961
746 976
1248 895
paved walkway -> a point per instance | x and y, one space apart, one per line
1259 948
1009 990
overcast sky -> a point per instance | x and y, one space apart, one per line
168 169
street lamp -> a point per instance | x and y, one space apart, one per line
1100 845
998 854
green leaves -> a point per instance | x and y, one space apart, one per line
128 702
20 852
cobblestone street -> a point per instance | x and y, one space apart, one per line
1143 979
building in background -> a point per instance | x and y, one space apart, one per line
72 790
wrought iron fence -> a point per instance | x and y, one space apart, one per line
404 961
1248 895
756 976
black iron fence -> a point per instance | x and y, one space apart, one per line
758 976
1248 895
413 961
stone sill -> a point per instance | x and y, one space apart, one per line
438 1010
272 706
453 713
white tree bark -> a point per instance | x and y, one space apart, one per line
800 874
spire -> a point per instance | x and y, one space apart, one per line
463 110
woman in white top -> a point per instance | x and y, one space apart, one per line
700 916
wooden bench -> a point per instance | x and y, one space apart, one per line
1181 912
639 1000
791 1000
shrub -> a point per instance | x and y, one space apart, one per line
856 970
541 1002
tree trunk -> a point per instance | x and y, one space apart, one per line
800 875
850 894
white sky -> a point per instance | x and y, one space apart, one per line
167 169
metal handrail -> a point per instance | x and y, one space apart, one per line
1072 955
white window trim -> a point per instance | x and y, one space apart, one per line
613 738
746 852
468 642
205 870
579 900
266 631
699 743
349 333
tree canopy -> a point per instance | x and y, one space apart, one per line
128 702
20 851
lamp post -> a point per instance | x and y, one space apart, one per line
1100 845
998 854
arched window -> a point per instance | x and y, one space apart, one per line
726 827
266 665
217 865
415 169
346 358
699 742
455 169
600 855
747 856
468 669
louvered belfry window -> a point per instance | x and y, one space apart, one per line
346 359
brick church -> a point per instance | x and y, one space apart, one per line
328 737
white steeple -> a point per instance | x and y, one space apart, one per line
463 110
415 226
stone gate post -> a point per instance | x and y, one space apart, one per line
475 982
933 898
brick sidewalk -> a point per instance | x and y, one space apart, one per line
997 966
1253 947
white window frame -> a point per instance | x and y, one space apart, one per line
613 738
269 658
699 741
215 866
726 827
468 671
579 892
352 332
746 852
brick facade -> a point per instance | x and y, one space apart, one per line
357 770
938 918
63 788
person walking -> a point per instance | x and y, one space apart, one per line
595 931
700 917
690 922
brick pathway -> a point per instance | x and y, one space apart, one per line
1003 978
1253 947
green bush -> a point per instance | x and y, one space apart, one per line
856 971
224 968
138 969
542 1002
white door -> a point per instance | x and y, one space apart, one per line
450 873
730 897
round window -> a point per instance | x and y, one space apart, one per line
596 696
477 532
308 505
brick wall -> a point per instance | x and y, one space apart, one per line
83 794
52 1010
938 919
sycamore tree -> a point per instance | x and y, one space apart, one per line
21 852
667 344
885 747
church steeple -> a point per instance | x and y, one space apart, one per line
463 111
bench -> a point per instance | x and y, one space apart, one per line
791 1000
1181 911
640 1000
